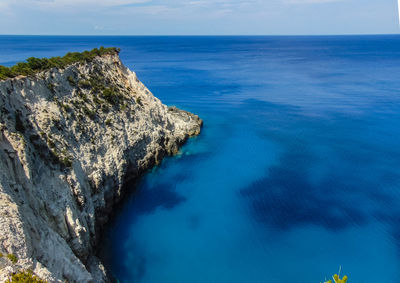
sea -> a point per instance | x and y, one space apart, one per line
295 176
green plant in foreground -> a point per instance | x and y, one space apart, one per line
12 258
25 277
337 279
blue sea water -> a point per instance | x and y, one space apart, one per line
296 172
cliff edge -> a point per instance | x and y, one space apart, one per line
69 139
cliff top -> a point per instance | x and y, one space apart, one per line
35 65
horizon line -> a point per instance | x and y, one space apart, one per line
200 35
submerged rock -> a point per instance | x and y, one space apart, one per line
69 140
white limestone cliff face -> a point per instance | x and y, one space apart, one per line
69 140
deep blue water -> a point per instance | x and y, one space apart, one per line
296 171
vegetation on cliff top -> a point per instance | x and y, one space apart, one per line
34 65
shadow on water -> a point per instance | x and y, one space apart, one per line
286 198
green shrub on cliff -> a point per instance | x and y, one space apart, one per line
84 84
67 162
12 258
71 80
111 95
34 65
5 73
25 277
22 68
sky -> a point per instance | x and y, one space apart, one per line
198 17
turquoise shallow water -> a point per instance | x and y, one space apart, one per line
296 171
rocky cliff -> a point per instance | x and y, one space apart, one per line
69 140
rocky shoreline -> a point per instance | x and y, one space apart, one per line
70 139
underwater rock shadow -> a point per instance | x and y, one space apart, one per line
147 198
286 198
